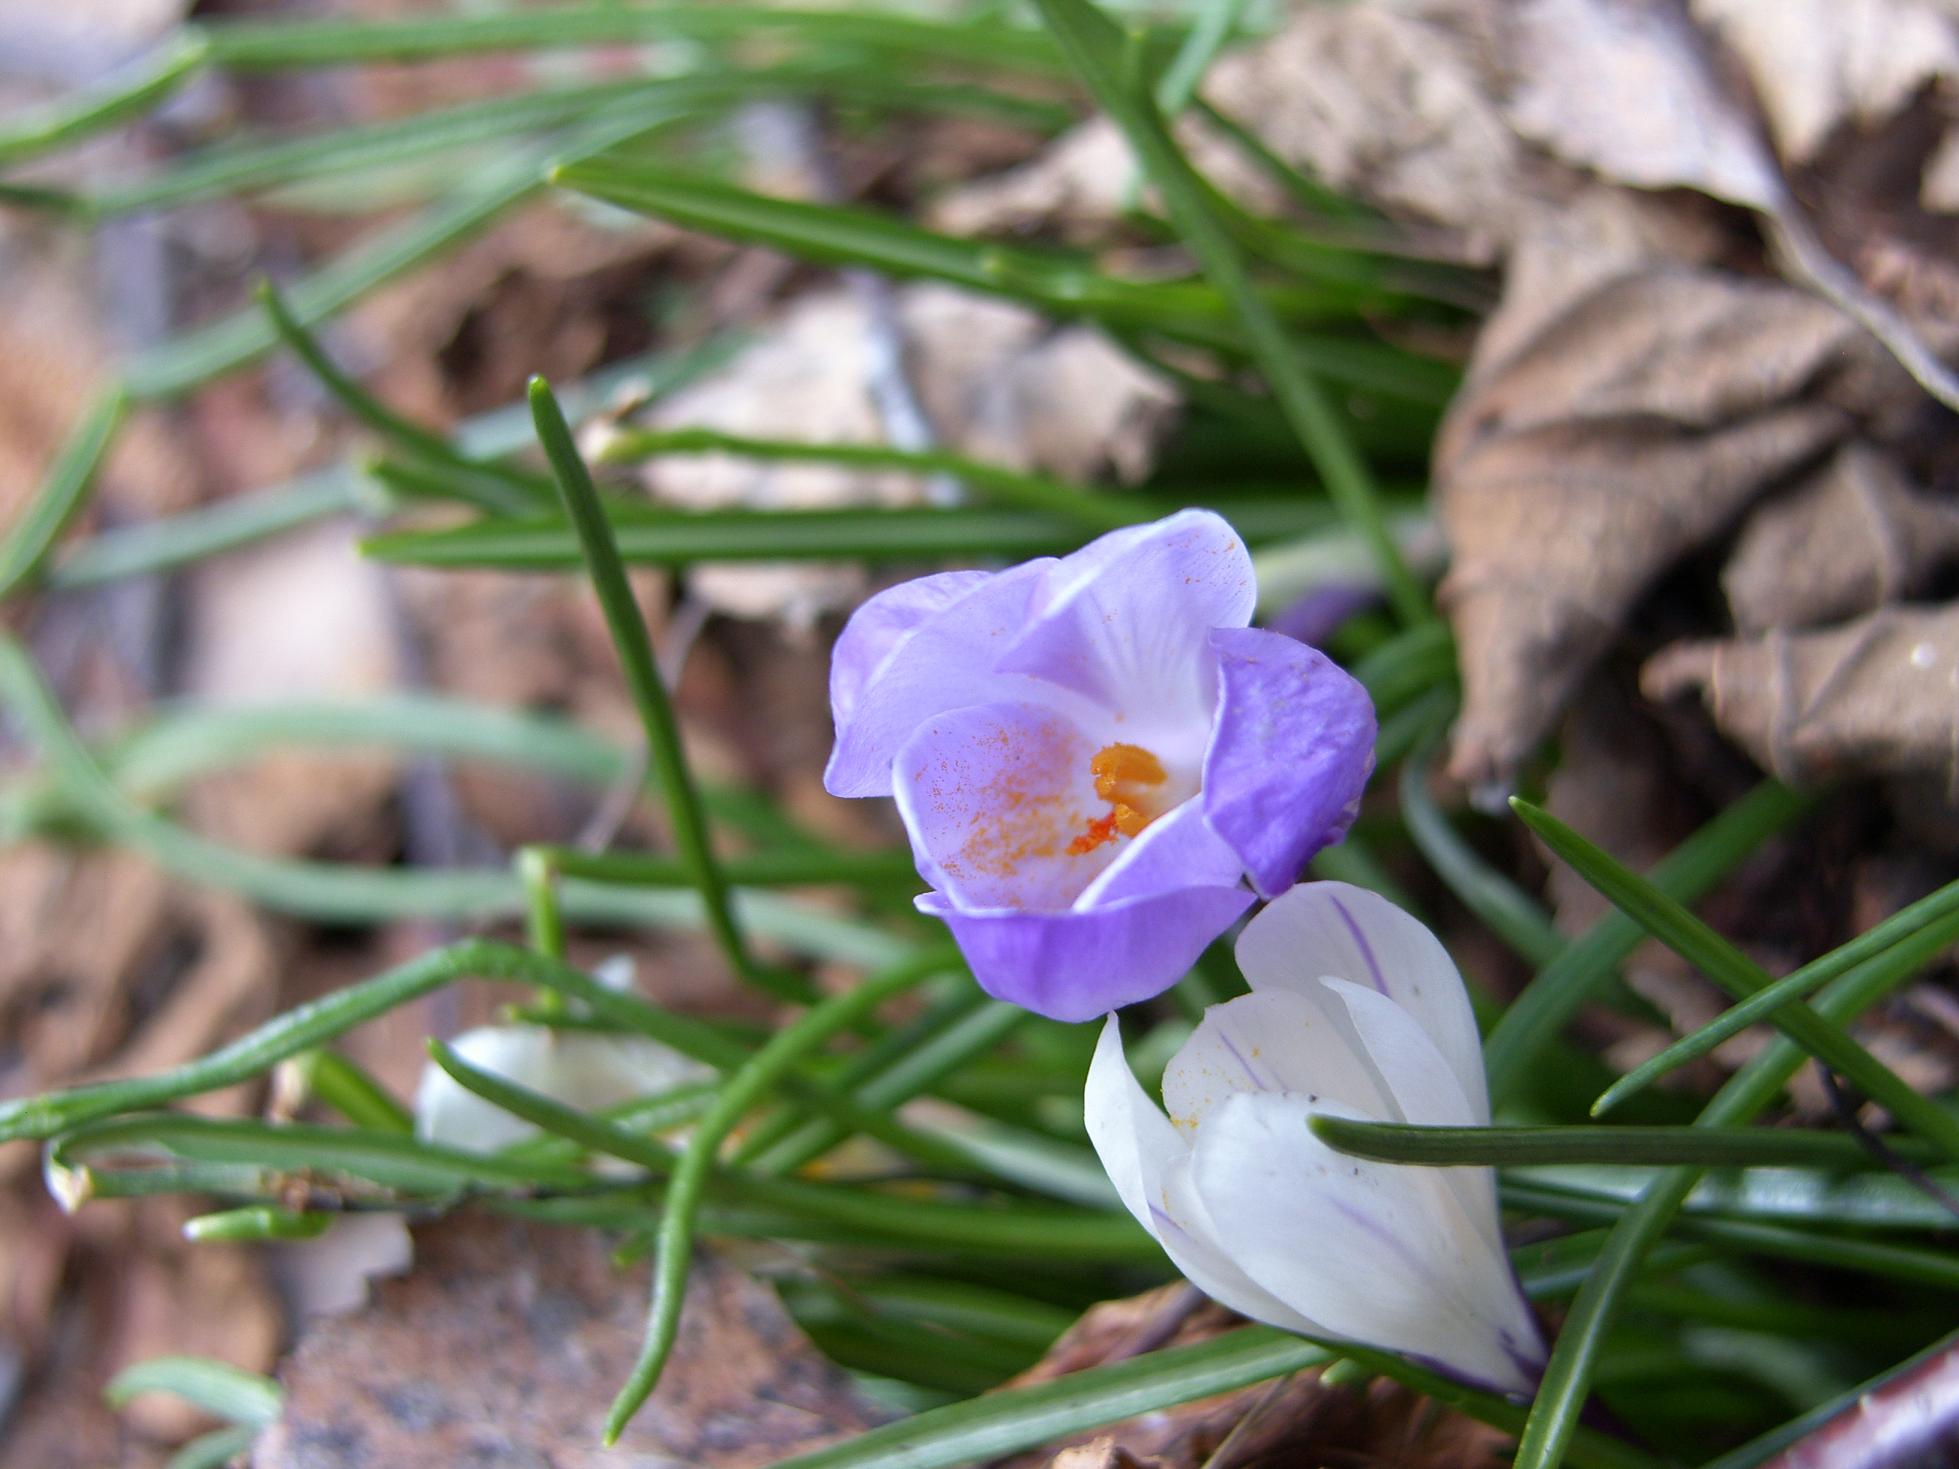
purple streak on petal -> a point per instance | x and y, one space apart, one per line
946 661
1079 964
1439 1284
1251 1072
881 623
1127 617
1366 949
1290 756
1390 1241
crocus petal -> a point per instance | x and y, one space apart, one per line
1177 850
994 797
1421 1088
1133 1138
1080 963
1297 1042
1290 756
1126 621
1141 1152
880 624
582 1069
1335 929
1376 1252
945 661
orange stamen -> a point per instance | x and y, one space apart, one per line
1122 775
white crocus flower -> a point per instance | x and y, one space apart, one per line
1355 1011
583 1069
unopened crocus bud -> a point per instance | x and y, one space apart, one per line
1356 1011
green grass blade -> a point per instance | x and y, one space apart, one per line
214 1450
1001 1423
1216 22
1562 987
218 1388
1567 1377
1506 909
255 1224
1673 925
881 869
1940 908
186 362
335 893
1870 1200
498 487
228 171
331 1079
635 649
260 1157
1707 1147
30 538
1095 47
313 1025
995 482
763 1071
678 539
178 540
1063 283
281 44
149 82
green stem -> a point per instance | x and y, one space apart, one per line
1491 1147
1673 925
312 1025
1941 907
329 1077
496 487
31 537
649 690
1518 1042
997 483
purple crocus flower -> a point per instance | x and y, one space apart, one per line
1093 754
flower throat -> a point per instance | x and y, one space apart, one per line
1124 777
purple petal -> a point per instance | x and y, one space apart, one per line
879 625
993 798
1081 963
1127 620
1177 850
1290 756
945 661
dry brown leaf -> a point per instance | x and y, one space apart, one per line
997 382
1817 65
1938 188
1102 1453
1623 433
302 617
1853 537
1622 87
506 1344
1878 695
